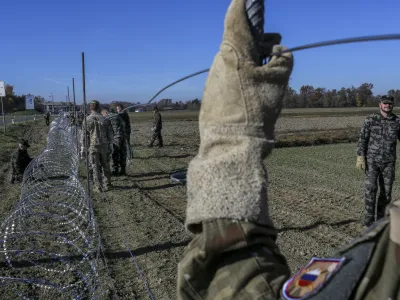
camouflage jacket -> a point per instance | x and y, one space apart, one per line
239 260
19 161
99 131
125 117
118 126
378 138
157 121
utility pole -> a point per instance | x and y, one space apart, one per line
52 97
69 104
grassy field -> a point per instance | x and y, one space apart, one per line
291 112
315 197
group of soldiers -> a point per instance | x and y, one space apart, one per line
107 138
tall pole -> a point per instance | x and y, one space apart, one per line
4 118
69 104
52 97
75 116
85 125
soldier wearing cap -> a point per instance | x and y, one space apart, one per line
376 155
100 135
119 144
20 159
157 127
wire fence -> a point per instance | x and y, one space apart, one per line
50 242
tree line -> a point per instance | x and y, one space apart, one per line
312 97
307 97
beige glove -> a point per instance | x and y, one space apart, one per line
360 163
241 103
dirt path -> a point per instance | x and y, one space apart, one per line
315 202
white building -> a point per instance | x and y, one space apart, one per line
58 106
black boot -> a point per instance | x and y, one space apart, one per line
123 171
115 172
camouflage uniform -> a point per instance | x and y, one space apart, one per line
125 117
377 143
80 119
47 118
119 144
240 260
157 126
100 138
20 159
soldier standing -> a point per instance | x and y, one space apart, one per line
124 115
376 154
20 159
47 118
119 144
100 138
157 127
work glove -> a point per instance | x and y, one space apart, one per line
240 106
360 164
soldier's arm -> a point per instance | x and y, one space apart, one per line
110 133
363 140
128 123
13 163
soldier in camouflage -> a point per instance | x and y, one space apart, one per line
376 155
157 127
124 115
100 134
234 254
20 159
119 144
47 118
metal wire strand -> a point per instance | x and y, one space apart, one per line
50 243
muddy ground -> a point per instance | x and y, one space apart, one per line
315 201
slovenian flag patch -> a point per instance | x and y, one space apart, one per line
311 278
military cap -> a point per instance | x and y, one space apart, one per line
387 99
95 102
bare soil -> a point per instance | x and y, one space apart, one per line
315 200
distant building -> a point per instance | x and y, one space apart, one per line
58 106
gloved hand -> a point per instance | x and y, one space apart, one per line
241 103
360 164
110 148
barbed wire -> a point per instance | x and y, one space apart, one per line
50 242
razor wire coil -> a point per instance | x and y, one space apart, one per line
50 242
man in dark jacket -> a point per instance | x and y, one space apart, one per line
157 127
124 115
376 154
47 118
119 142
20 159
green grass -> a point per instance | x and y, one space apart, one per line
291 112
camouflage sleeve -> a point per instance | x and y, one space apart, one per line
128 124
85 133
362 146
123 126
232 260
110 133
13 162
